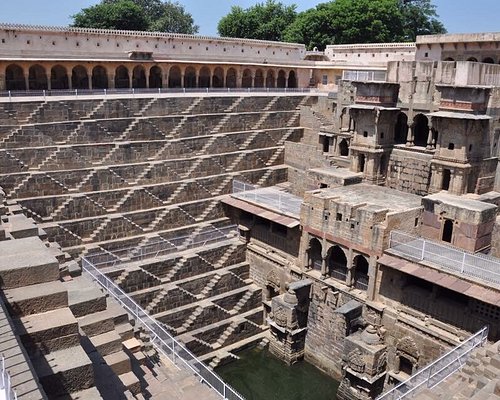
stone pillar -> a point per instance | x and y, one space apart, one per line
27 81
146 72
182 79
164 79
130 80
372 277
253 79
238 79
429 139
196 78
354 162
111 80
410 137
2 82
350 272
49 81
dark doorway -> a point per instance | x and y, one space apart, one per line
405 366
446 179
326 144
361 163
344 148
401 129
447 231
420 130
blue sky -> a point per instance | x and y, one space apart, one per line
459 16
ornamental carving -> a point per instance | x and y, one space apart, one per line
273 280
382 363
280 317
356 361
407 345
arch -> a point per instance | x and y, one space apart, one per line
155 77
420 130
59 78
218 78
449 59
138 77
231 78
488 60
174 77
204 79
190 77
401 128
281 82
259 79
472 59
360 272
292 79
37 78
344 148
79 78
99 77
337 263
122 80
14 78
246 79
361 160
314 251
270 79
447 234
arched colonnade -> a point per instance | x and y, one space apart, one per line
61 76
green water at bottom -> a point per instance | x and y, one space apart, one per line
260 376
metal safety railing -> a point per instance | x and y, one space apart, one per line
436 372
6 391
163 341
138 91
449 258
161 247
378 76
239 186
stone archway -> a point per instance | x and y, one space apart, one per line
270 79
488 60
361 277
205 77
292 79
79 78
99 77
190 77
420 130
344 148
14 78
272 285
337 263
139 77
174 77
407 354
259 79
122 80
401 129
231 78
314 252
59 78
281 82
218 78
155 77
246 79
37 78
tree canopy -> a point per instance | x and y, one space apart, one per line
334 22
145 15
265 21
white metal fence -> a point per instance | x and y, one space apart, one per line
161 247
165 343
378 76
6 391
436 372
239 186
138 91
446 257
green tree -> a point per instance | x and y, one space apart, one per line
123 14
419 18
347 21
265 21
147 15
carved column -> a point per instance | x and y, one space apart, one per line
429 139
410 137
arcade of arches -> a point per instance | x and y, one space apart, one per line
61 76
335 263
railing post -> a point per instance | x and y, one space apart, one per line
463 263
423 250
10 96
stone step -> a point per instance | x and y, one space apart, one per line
36 298
126 331
87 394
119 362
107 343
50 331
97 323
64 371
84 298
131 382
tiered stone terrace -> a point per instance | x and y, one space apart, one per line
123 176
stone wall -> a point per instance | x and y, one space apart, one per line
409 171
